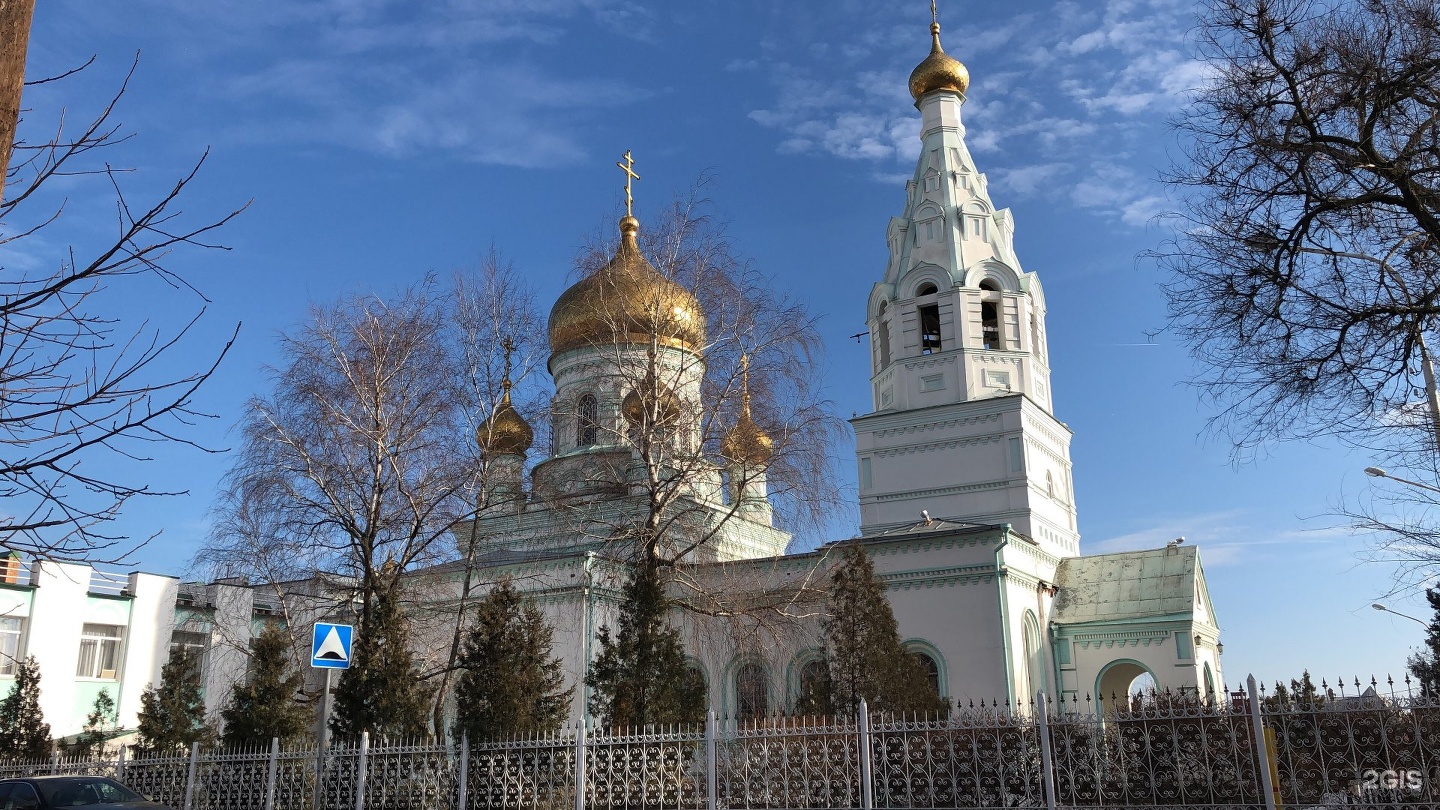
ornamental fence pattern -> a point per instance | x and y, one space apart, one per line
1347 745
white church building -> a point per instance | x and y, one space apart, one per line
965 484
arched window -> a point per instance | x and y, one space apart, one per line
1049 484
814 688
931 669
752 699
587 424
882 330
929 329
989 285
1209 684
927 289
1034 662
990 325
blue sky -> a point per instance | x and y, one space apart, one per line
380 140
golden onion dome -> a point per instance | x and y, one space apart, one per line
746 443
505 432
633 406
626 301
939 71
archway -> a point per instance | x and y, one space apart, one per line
1119 679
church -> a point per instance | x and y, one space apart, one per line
965 483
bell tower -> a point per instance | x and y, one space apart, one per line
961 425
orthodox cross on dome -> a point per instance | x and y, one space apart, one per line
629 168
508 346
934 15
745 383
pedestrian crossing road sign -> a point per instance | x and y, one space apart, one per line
330 649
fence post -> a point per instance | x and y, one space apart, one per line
271 772
1262 755
712 791
464 797
1047 762
580 766
867 788
190 776
360 770
120 765
54 758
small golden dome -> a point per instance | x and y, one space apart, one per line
626 301
746 443
633 405
506 432
938 71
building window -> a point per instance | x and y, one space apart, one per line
814 687
1183 650
866 480
752 699
931 668
1209 684
193 644
988 285
1017 455
990 324
884 332
100 651
587 426
927 289
11 630
930 329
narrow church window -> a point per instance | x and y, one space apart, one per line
865 476
814 683
752 699
932 182
990 324
884 332
587 426
1017 455
1049 484
929 329
930 668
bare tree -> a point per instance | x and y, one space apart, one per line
708 423
1306 274
88 386
356 471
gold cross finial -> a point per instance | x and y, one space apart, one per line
508 346
629 168
934 15
745 383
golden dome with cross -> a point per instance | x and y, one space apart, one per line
938 71
627 300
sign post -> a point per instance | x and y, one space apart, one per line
330 648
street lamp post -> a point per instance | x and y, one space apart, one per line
1376 472
1381 607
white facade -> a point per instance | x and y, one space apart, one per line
88 632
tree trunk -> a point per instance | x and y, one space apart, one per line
15 16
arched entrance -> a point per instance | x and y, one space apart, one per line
1118 679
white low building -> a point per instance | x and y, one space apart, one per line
88 631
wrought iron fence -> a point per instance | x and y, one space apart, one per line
1327 746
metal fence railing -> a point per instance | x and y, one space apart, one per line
1325 747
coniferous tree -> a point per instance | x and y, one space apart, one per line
1425 664
640 676
98 723
511 682
172 715
24 734
265 706
863 648
380 692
